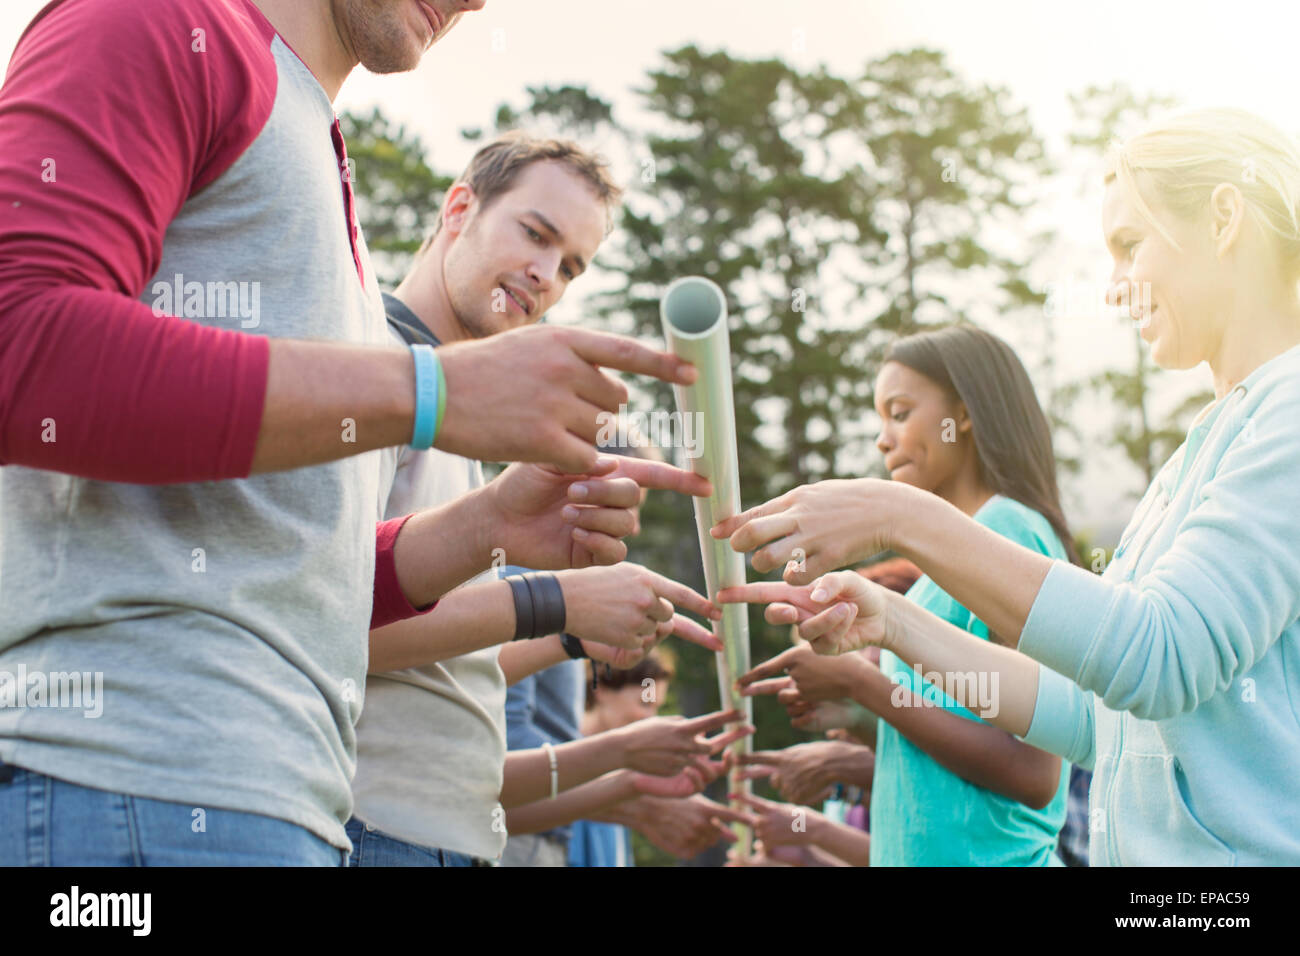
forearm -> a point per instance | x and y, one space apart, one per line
995 578
443 547
920 639
520 659
327 400
528 772
843 842
978 753
585 802
864 728
466 620
853 765
205 404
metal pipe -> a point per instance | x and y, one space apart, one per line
694 314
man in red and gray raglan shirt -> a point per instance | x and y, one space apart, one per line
181 158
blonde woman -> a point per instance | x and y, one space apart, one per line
1181 664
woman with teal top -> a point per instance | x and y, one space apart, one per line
959 420
1175 674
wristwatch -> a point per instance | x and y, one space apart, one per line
573 646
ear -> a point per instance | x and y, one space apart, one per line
964 423
457 208
1227 212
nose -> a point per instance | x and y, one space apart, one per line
543 270
468 5
1118 293
884 441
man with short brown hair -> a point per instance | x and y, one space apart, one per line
433 778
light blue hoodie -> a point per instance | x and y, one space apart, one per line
1188 648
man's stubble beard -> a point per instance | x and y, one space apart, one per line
469 315
380 39
473 326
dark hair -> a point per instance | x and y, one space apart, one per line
493 170
1013 443
656 666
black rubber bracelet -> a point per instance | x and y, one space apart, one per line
573 646
523 596
548 603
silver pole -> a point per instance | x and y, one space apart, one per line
694 314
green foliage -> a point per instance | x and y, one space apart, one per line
951 160
572 111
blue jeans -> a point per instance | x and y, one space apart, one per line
50 822
371 847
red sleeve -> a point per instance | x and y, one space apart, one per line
390 604
110 118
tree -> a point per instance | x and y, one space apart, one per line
572 111
952 160
742 186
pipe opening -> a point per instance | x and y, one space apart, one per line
693 305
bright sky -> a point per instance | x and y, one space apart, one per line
1241 53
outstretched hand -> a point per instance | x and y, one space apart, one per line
629 608
838 612
666 746
549 520
818 528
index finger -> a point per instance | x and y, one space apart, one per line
688 630
665 477
759 592
684 597
699 725
728 526
765 757
758 803
768 668
628 355
728 738
721 812
773 685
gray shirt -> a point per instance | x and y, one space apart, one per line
431 741
227 620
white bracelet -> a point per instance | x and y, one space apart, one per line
555 770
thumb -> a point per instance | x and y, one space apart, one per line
839 585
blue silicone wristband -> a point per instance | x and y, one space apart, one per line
428 371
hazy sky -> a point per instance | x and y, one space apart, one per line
1241 53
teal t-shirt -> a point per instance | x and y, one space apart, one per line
923 814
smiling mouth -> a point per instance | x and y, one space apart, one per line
523 306
431 15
